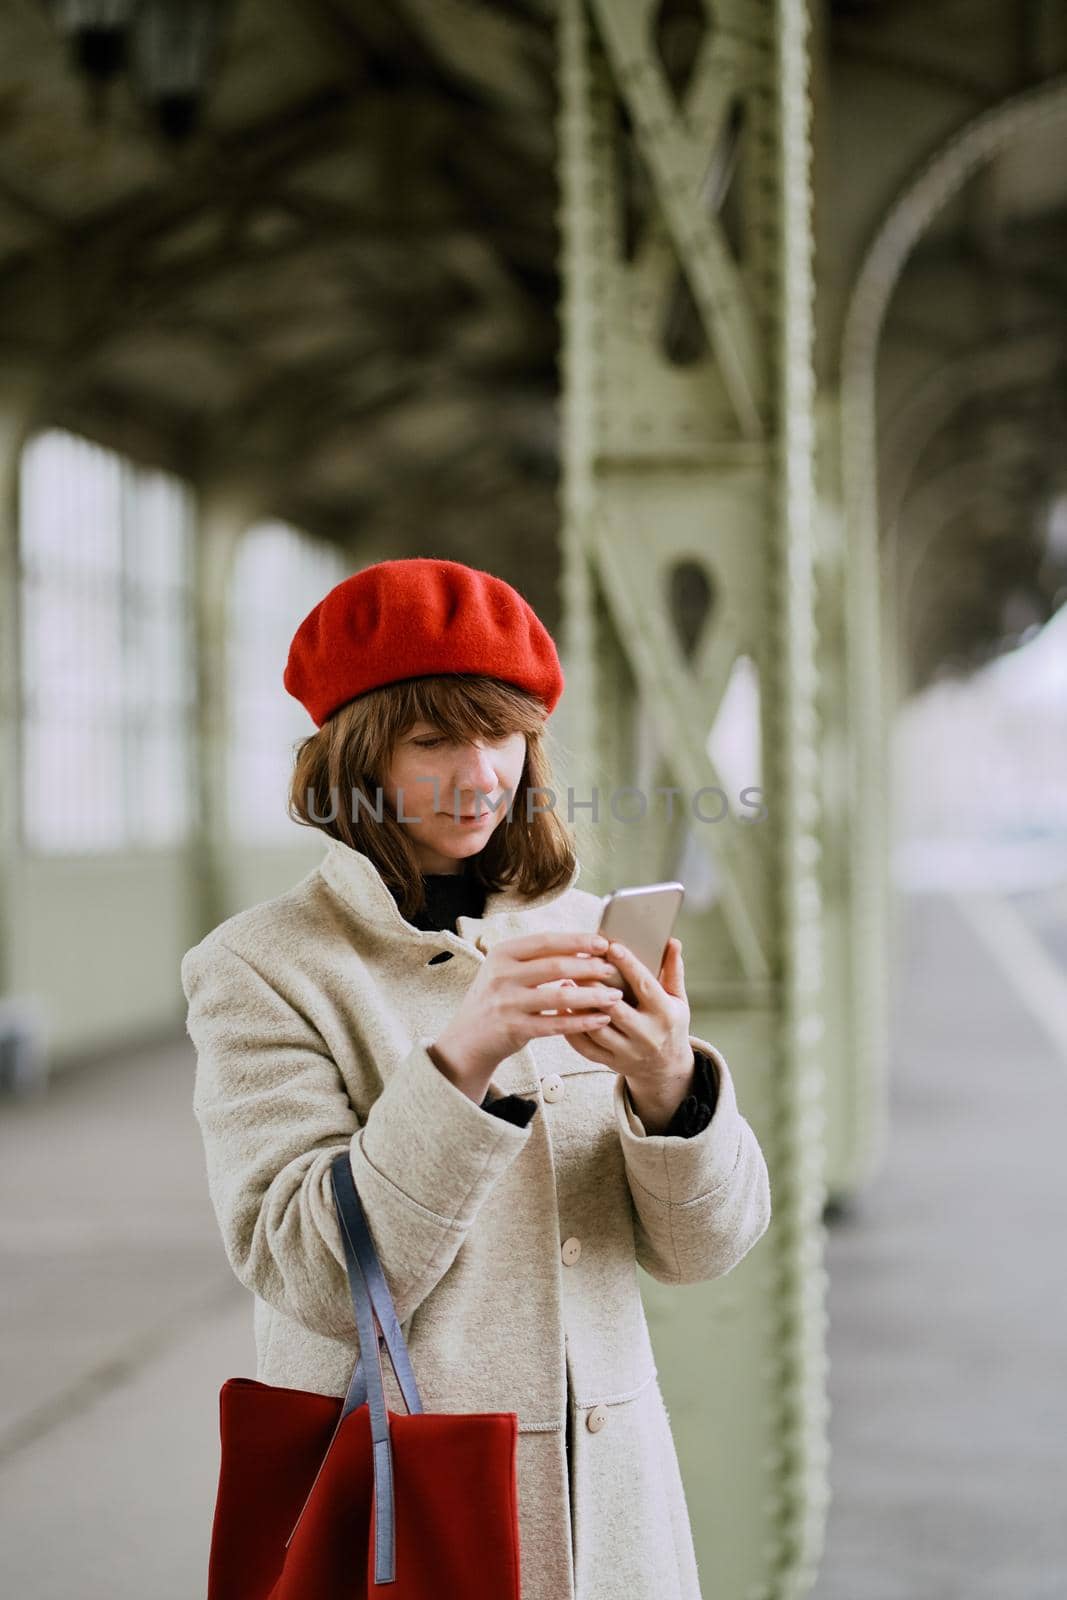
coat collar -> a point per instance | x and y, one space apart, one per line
354 877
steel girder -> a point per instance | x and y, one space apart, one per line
687 498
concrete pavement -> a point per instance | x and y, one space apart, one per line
948 1308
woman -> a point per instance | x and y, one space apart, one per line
434 998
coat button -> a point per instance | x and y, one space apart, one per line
572 1249
553 1087
596 1419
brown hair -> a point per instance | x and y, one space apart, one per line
352 752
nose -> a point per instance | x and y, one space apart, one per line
475 772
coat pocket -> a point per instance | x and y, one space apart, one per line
630 1523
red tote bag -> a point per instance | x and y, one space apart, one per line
324 1498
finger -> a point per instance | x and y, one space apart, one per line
672 973
633 1030
627 1019
580 997
566 1022
580 1042
593 1045
637 975
564 941
548 968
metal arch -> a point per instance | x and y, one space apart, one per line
1008 363
937 181
939 500
963 476
942 499
975 144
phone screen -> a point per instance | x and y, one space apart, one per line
642 919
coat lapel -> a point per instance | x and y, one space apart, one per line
354 878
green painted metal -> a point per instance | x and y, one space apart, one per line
684 471
20 400
877 591
222 517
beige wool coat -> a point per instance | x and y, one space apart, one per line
311 1014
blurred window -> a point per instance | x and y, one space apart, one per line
279 575
107 690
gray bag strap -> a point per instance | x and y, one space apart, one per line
371 1300
357 1237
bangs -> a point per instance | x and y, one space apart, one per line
464 705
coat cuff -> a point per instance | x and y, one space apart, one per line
679 1170
434 1142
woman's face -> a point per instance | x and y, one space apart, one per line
432 779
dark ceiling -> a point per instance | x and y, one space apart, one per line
340 291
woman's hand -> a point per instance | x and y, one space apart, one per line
647 1043
509 1003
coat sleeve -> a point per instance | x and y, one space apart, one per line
700 1204
273 1112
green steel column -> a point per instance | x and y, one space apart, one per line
848 1103
688 449
222 515
19 398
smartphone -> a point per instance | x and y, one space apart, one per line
642 919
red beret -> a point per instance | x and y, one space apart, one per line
413 618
